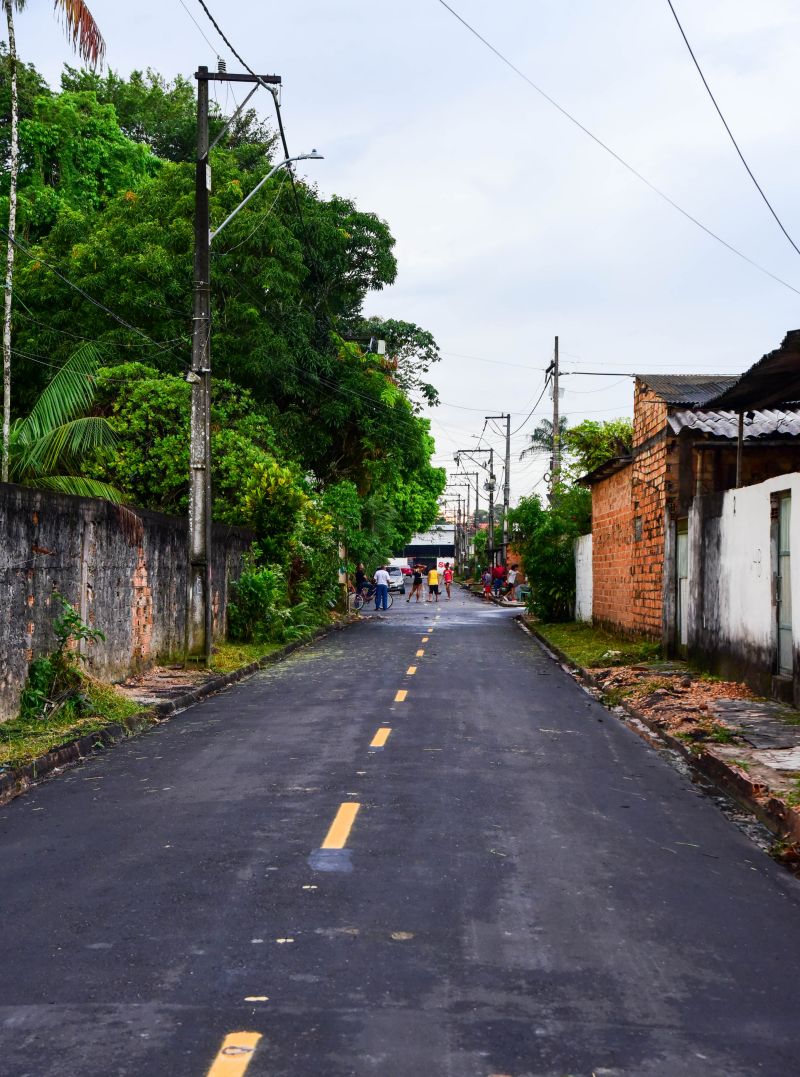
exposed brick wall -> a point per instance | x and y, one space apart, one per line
628 526
612 537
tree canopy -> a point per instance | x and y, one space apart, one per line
316 438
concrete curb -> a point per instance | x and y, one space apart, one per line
16 781
776 815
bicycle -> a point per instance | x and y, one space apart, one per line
356 599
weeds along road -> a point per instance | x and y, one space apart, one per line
415 847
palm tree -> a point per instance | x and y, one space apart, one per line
86 38
542 438
47 448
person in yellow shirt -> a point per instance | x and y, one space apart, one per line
433 583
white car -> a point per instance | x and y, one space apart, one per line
397 581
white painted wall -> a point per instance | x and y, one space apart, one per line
583 578
746 613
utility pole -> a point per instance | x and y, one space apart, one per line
506 481
199 607
470 453
555 470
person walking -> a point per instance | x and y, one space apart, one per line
511 584
381 578
433 583
448 578
416 584
498 572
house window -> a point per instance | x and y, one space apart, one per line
637 529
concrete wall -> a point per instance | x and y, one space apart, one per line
124 572
583 578
732 615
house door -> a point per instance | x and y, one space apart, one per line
682 576
784 590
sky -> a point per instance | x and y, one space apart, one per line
512 225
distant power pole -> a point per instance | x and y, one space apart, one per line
506 482
555 470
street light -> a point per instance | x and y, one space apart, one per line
313 156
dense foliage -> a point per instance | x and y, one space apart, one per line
545 536
316 438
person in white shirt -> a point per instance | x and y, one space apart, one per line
381 578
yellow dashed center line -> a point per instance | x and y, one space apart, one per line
401 695
420 654
380 738
425 639
411 671
337 836
235 1054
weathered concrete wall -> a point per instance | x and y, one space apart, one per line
124 572
732 613
583 578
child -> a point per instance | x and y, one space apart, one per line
486 580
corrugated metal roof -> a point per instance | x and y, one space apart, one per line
725 424
774 379
691 390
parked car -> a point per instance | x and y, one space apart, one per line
397 581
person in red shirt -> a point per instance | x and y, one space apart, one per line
498 575
448 578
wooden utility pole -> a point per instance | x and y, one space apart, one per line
555 470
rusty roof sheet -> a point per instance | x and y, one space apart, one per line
774 379
725 424
689 390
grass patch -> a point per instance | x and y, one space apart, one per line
228 657
588 646
24 739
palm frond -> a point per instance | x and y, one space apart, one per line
82 30
62 447
76 484
70 393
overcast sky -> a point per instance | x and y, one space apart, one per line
512 226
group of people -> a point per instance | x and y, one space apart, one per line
419 574
500 581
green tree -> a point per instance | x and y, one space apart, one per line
410 353
592 443
87 39
162 114
545 538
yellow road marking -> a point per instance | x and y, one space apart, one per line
339 832
425 639
235 1054
420 654
411 671
380 738
401 695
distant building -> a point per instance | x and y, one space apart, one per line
434 547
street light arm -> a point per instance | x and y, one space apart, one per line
313 156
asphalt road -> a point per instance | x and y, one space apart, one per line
520 886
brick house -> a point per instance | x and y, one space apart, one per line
641 502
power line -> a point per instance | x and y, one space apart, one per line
758 186
81 291
197 24
620 160
530 413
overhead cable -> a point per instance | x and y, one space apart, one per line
620 160
749 170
